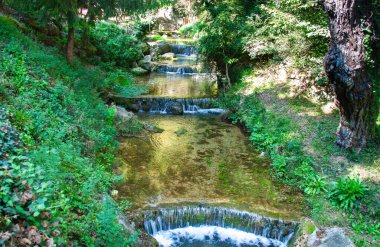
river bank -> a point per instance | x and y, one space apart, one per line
297 133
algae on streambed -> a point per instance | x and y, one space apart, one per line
213 163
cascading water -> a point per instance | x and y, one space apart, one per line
181 70
163 105
184 50
198 158
216 226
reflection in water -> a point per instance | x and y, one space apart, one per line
212 161
179 86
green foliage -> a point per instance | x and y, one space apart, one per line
157 38
316 185
220 33
115 44
111 233
261 31
130 127
190 30
125 205
70 133
348 192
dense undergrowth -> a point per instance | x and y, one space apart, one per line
334 198
235 35
59 171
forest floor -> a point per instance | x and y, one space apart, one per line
315 122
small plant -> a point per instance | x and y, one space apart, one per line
316 185
125 205
347 192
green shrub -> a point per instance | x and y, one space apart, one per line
347 192
157 37
116 44
190 30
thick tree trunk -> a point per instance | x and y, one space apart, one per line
347 70
70 36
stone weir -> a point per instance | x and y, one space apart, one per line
163 219
179 70
175 106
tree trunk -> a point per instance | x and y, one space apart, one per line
348 72
228 77
70 36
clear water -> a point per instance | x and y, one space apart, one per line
212 161
179 86
202 160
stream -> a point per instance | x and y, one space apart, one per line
200 182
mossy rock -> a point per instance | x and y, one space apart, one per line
309 227
139 71
180 131
152 128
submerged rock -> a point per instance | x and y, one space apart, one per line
152 128
180 131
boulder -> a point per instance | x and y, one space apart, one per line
168 56
162 47
139 71
145 48
146 62
174 108
330 237
123 114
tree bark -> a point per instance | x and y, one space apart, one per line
70 36
347 69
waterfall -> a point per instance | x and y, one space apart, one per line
161 105
185 50
162 220
180 70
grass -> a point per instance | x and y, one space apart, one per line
298 135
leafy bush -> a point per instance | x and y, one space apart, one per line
190 30
347 192
116 44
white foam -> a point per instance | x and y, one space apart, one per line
212 234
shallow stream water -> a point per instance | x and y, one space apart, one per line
198 178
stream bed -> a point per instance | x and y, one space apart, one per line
200 182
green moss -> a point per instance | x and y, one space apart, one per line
180 131
309 228
157 37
